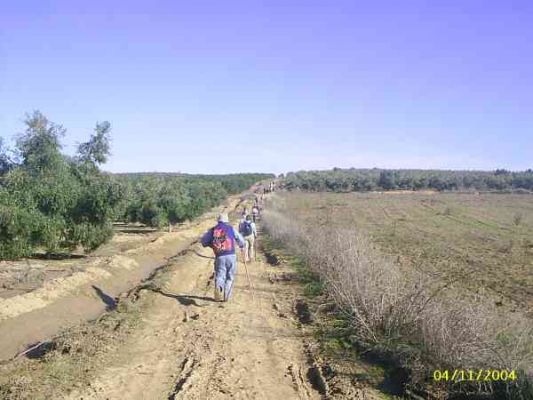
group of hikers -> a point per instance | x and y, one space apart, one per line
255 213
223 239
270 188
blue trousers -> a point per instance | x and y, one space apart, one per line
225 270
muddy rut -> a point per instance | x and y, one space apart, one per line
190 347
38 315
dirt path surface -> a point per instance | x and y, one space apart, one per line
60 303
190 347
168 338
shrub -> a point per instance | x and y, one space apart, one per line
424 322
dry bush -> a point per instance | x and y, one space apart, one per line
392 309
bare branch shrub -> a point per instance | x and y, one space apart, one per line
389 307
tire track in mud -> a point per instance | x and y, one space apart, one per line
145 364
187 369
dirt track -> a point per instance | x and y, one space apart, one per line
190 347
35 316
187 346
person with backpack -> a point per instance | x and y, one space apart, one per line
248 230
222 239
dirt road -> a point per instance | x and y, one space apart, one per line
183 345
190 347
61 303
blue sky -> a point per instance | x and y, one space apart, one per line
276 86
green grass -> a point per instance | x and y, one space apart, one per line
313 286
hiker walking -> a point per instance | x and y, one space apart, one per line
221 238
255 213
249 232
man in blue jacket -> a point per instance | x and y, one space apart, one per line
221 238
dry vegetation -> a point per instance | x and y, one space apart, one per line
482 242
397 267
70 360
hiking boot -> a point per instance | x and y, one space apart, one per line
219 294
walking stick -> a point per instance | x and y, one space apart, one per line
248 277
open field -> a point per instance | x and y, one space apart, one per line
423 280
478 241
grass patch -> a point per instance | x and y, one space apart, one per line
274 251
314 289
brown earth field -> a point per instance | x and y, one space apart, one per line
482 242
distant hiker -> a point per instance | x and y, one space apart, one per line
255 213
221 238
249 232
244 213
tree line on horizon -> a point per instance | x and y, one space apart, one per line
53 202
360 180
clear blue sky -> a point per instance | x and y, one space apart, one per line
275 86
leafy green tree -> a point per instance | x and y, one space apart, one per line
387 180
53 202
39 146
5 161
96 151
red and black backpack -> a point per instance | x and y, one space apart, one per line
223 240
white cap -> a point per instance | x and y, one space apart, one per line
223 217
